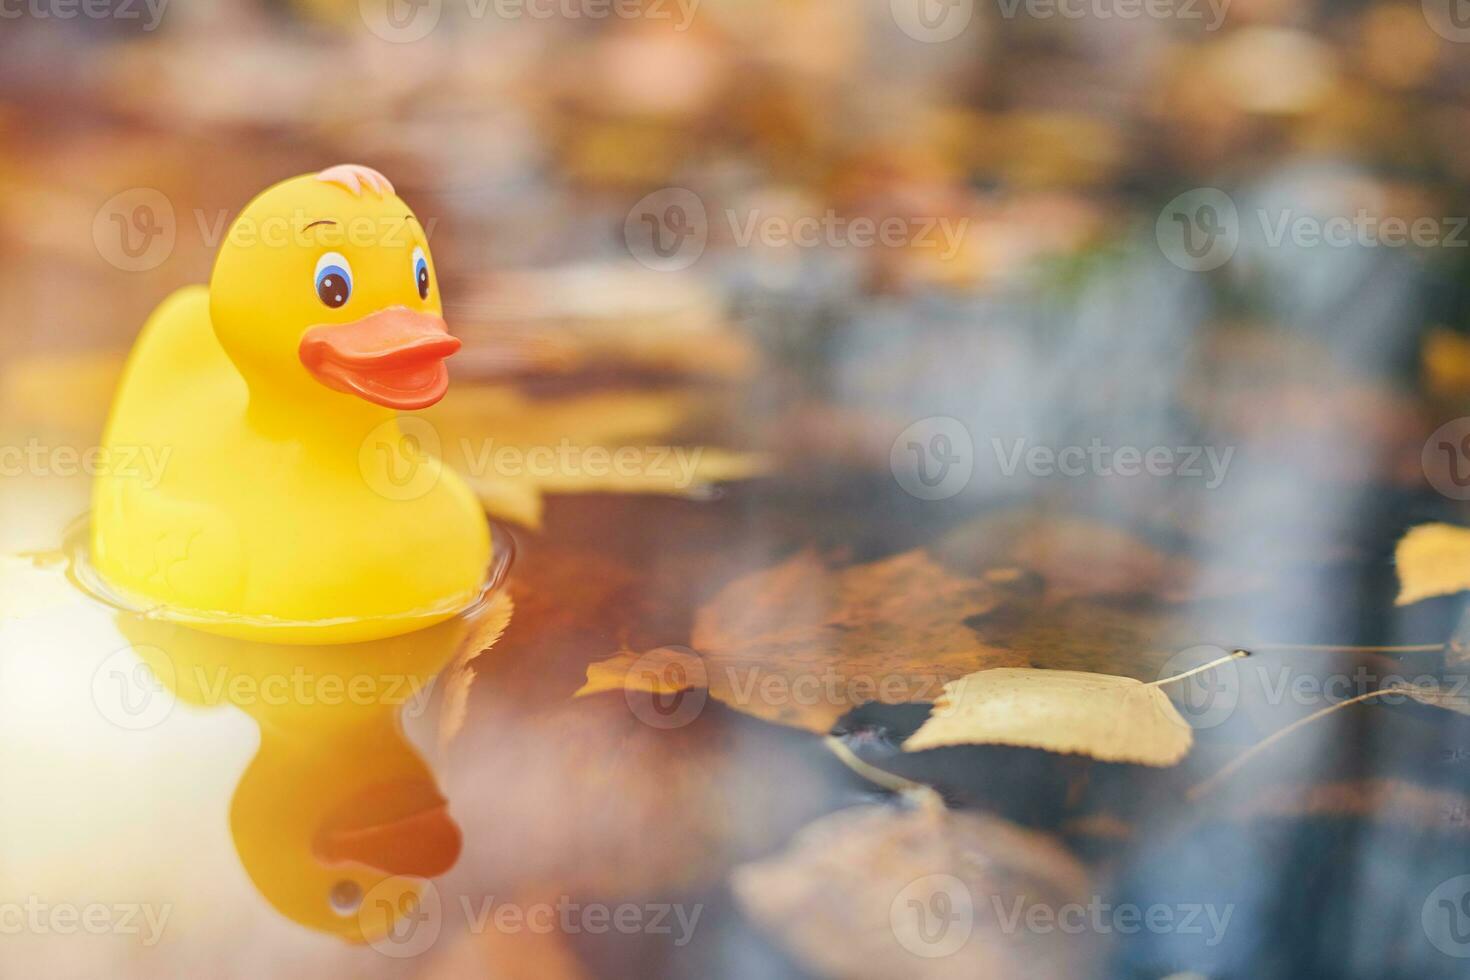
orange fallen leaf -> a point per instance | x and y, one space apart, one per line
610 314
801 645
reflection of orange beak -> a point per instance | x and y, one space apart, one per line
394 357
398 828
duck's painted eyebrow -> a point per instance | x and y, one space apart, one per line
324 221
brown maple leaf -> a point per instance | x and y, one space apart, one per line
801 645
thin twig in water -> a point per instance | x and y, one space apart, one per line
1230 768
889 781
1334 648
1200 669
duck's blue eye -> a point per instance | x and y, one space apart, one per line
333 279
421 272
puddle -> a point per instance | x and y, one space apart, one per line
289 763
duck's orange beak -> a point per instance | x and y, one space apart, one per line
394 357
400 828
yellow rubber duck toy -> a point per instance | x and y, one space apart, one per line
291 506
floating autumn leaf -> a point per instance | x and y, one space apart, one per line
460 673
801 645
513 449
1115 719
878 892
606 314
1433 560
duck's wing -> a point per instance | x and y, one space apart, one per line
176 378
186 553
155 530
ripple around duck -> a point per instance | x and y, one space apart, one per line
76 553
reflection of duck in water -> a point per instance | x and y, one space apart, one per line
337 819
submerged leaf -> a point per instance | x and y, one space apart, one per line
513 449
1114 719
1433 560
877 892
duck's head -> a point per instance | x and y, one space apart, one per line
325 284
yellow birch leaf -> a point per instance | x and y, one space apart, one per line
1433 560
1114 719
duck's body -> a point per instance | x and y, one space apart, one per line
290 506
